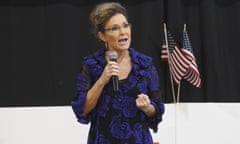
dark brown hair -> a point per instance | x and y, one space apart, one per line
102 13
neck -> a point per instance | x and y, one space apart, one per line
123 55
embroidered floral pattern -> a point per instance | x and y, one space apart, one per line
116 118
120 129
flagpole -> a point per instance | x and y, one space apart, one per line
178 92
171 77
178 95
179 85
184 27
172 84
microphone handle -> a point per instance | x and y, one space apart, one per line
115 83
115 78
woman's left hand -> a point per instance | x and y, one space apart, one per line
142 101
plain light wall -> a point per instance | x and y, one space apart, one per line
183 123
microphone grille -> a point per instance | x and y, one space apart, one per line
113 55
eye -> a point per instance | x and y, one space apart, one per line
115 28
125 25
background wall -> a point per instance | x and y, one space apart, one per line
184 123
44 41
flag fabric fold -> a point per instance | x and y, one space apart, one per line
182 62
177 61
192 75
164 51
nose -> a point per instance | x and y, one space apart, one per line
121 29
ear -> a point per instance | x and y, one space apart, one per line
102 36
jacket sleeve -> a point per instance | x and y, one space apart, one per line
83 85
156 99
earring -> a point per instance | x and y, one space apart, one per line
106 45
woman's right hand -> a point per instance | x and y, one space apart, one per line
93 94
110 69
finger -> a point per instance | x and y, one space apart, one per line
146 99
143 96
141 102
140 95
114 70
112 62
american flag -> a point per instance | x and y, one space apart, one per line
164 51
192 75
178 63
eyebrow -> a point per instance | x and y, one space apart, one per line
119 24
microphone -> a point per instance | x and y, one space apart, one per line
113 57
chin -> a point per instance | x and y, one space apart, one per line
124 47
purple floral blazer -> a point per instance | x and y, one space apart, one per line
116 119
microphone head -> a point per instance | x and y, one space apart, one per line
113 55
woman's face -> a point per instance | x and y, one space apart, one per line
117 33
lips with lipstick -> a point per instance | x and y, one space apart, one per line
123 41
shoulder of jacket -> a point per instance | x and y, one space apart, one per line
142 59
